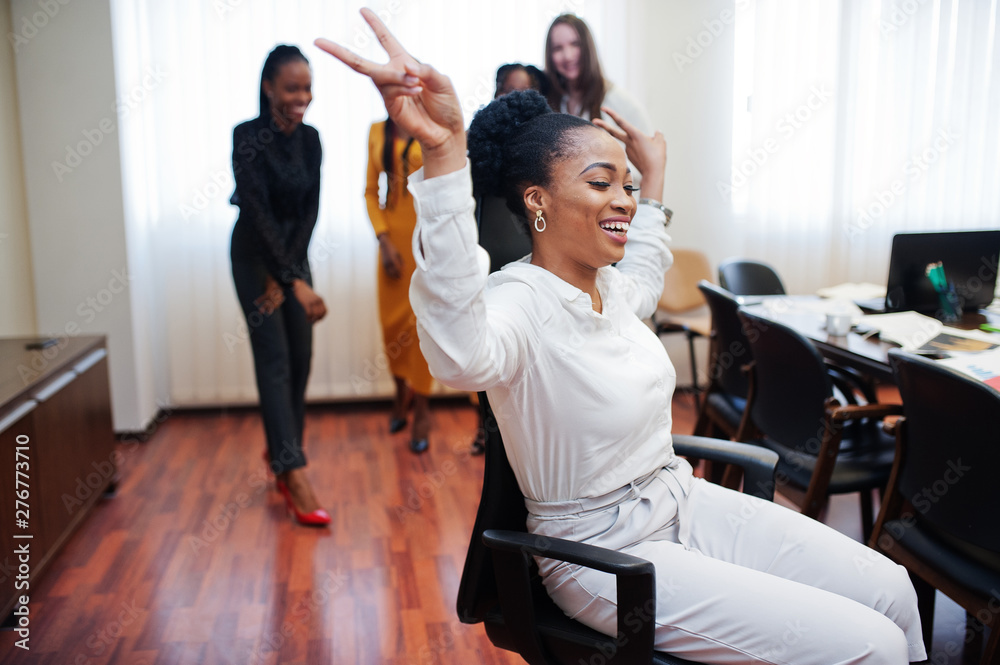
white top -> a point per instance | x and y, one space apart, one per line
582 399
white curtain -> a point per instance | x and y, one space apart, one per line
188 72
858 119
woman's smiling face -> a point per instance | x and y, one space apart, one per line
588 205
564 44
290 92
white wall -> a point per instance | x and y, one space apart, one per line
692 103
82 275
17 299
688 91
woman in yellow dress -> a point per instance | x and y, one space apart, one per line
392 152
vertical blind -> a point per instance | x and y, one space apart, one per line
860 119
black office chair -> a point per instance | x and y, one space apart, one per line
725 399
501 234
807 411
746 277
501 587
939 516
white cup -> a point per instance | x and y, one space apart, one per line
838 323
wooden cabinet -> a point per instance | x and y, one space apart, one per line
55 409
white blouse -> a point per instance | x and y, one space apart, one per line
582 399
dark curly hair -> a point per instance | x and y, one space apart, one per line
278 56
513 142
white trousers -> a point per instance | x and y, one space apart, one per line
738 579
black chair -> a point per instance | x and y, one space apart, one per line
746 277
807 411
501 234
501 587
939 517
725 399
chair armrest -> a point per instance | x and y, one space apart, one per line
857 411
635 578
849 380
758 463
664 327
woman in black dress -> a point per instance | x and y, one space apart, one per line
276 164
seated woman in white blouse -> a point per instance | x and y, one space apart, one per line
581 387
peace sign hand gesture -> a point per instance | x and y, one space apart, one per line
417 97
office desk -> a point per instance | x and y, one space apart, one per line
867 355
56 434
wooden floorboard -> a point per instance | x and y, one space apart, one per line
195 560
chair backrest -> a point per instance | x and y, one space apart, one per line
500 507
501 233
951 449
790 384
730 348
746 277
680 284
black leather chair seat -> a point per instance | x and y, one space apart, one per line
726 407
929 546
860 465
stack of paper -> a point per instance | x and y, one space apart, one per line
852 291
908 329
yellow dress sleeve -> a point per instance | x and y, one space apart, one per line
376 139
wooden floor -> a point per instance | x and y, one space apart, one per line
195 561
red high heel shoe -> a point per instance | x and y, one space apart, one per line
318 517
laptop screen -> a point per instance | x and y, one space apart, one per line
969 259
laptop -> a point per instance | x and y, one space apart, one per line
969 259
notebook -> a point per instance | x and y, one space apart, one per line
970 263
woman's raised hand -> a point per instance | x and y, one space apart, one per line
417 97
647 153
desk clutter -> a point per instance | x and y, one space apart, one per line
974 351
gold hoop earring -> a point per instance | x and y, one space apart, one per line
539 218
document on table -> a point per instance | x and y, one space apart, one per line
923 334
971 352
908 329
984 366
852 291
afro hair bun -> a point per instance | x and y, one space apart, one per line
492 128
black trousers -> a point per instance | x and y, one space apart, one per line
282 353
